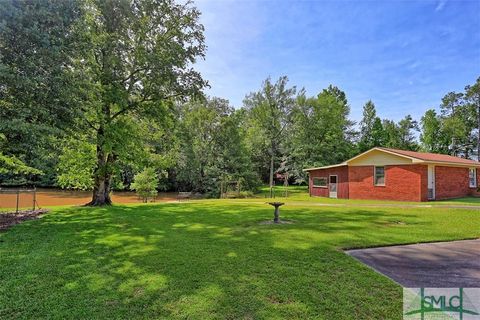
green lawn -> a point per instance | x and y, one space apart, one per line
211 259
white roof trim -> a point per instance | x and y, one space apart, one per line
418 160
414 160
326 167
386 151
451 164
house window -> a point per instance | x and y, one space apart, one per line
379 177
472 177
320 182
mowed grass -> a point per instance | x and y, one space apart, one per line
211 260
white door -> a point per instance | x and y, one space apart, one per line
431 183
332 186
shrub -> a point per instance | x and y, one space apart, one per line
146 184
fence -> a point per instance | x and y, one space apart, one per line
18 199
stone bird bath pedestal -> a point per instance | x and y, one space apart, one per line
276 214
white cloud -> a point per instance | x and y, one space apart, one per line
440 5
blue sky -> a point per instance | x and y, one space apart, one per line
404 55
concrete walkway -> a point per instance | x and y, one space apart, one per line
435 265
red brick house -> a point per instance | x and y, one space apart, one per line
391 174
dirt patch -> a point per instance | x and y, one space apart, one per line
9 219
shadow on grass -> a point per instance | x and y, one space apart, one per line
201 261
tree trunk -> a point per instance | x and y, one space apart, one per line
101 191
271 175
103 175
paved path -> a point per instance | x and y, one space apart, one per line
436 265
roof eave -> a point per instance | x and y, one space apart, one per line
325 167
452 164
381 150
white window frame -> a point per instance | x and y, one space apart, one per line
318 186
375 176
474 170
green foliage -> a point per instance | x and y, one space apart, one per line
391 138
75 166
377 133
269 111
371 129
12 165
102 68
406 127
212 148
117 76
456 129
472 100
456 119
432 137
138 60
321 132
36 92
146 184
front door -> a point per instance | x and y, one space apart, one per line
431 183
332 186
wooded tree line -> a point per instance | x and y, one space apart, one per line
93 93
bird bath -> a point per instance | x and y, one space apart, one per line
276 214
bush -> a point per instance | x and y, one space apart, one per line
241 195
145 184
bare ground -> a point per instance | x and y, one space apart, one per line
9 219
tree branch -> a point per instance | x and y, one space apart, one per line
134 72
88 122
133 105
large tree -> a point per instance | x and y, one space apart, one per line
391 134
472 97
432 137
270 111
456 129
212 149
36 88
138 60
321 132
371 128
406 133
458 121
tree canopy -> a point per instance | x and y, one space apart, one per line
100 95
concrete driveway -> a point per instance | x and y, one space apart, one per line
431 265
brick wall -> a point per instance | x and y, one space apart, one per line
342 182
402 182
452 182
